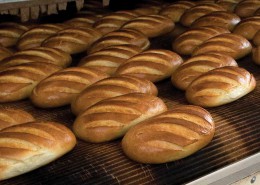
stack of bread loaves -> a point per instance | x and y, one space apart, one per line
111 90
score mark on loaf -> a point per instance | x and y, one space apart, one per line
170 136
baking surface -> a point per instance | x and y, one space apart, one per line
237 137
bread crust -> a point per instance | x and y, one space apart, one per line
151 25
4 53
17 83
256 55
198 65
172 135
62 87
111 87
186 42
28 146
10 117
154 65
247 8
230 44
112 118
220 86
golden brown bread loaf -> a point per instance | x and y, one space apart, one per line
4 53
112 118
256 39
228 5
151 25
28 146
149 10
82 21
220 86
256 55
175 10
113 21
120 37
34 37
60 88
40 54
248 27
170 136
73 40
10 33
111 87
10 117
223 19
185 43
198 65
230 44
198 11
247 8
153 65
17 83
110 58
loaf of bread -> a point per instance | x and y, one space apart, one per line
110 58
154 65
73 40
175 10
4 53
34 37
256 55
82 21
230 44
247 8
111 87
60 88
248 27
40 54
17 82
113 21
256 39
223 19
10 117
220 86
112 118
28 146
185 43
149 10
120 37
10 32
172 135
228 5
151 25
198 11
198 65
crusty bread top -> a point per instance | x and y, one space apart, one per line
82 21
247 8
198 11
219 18
111 87
35 36
149 10
175 10
256 39
198 65
4 53
230 44
113 117
10 33
10 117
39 54
113 21
153 65
170 136
110 58
28 146
248 27
220 86
119 37
186 42
150 25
